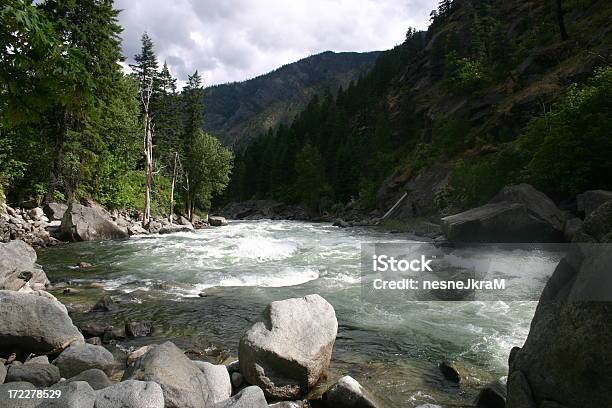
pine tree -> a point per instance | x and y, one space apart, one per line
193 95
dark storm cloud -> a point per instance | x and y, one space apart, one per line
233 40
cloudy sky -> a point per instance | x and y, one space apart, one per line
233 40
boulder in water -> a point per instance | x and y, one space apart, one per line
449 372
493 395
35 324
138 329
348 393
289 349
81 223
216 221
105 304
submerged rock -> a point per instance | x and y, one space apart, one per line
138 329
289 349
78 358
81 223
35 324
105 304
449 372
348 393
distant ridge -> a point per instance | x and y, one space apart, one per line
236 112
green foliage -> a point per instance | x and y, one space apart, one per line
462 74
450 135
311 187
571 146
209 165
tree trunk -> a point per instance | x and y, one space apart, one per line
172 189
188 198
58 155
561 19
148 153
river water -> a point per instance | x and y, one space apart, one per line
390 347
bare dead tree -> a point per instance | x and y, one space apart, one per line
172 187
145 98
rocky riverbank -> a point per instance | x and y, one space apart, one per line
87 221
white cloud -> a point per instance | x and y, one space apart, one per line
233 40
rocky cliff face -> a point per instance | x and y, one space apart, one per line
237 112
565 361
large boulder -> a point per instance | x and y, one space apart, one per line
182 382
78 358
348 393
81 223
564 358
250 397
8 400
289 349
516 214
131 394
55 211
18 266
35 324
589 201
41 375
2 372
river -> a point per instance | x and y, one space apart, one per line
390 347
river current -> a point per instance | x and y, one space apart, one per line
392 348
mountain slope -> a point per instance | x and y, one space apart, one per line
239 111
447 116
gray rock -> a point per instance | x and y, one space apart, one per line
589 201
138 329
55 211
36 213
96 341
572 226
18 266
35 324
2 372
172 229
493 395
77 394
516 214
218 380
136 229
38 360
136 354
105 304
41 375
182 382
519 392
6 401
217 221
289 349
131 394
78 358
597 227
250 397
237 379
184 221
449 372
96 378
81 223
428 406
348 393
287 404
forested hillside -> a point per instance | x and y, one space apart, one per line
73 125
493 93
236 112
